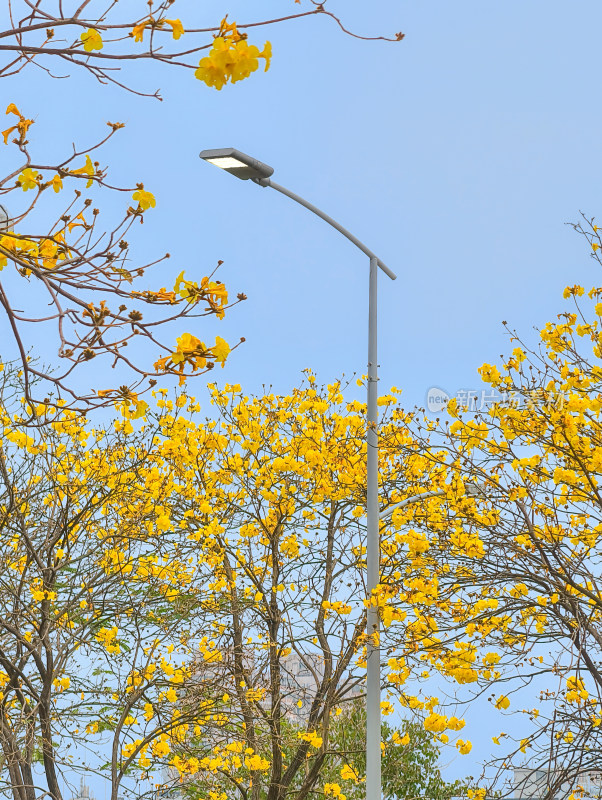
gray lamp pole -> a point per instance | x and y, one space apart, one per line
247 168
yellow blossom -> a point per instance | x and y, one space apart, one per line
92 40
144 199
28 179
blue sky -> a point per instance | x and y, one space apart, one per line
458 155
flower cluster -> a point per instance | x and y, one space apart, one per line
231 58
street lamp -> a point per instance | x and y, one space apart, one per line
247 168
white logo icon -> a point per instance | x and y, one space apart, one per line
436 399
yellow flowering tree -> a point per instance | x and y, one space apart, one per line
94 37
187 594
516 606
79 279
278 512
101 612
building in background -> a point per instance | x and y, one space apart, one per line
301 676
84 791
535 784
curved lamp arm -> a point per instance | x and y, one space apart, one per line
329 220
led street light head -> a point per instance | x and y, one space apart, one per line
237 163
